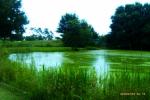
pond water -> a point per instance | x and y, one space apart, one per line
103 61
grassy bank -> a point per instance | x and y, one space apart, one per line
37 49
39 85
38 43
6 94
37 46
69 82
73 83
48 84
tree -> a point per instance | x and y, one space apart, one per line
17 37
76 33
130 28
48 34
12 19
69 26
42 34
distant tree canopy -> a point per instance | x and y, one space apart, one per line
41 34
130 27
12 19
75 32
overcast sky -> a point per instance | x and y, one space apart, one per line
47 13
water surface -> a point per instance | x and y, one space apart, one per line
103 61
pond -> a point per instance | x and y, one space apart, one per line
102 61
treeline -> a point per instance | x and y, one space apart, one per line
12 19
130 28
36 34
40 34
76 32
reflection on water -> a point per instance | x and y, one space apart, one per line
103 61
117 71
101 66
39 59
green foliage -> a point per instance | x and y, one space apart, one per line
17 37
40 34
69 83
39 49
74 82
33 37
12 19
102 41
130 27
76 33
7 94
38 43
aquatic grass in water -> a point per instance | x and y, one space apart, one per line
71 82
68 83
48 83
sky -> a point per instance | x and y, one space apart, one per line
48 13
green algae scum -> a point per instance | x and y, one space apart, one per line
81 75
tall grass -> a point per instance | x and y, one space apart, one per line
31 46
72 82
37 49
38 43
59 84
